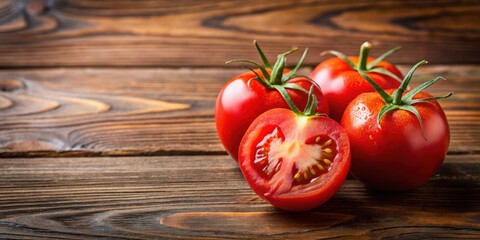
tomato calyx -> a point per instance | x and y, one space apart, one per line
310 107
362 62
277 79
277 76
399 100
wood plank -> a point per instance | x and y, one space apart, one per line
205 197
93 112
206 33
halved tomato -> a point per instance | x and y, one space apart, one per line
294 162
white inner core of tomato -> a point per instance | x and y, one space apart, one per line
293 161
304 156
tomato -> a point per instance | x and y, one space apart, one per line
294 162
341 83
250 94
398 140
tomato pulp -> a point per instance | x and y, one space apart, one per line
294 162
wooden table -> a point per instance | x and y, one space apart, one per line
107 130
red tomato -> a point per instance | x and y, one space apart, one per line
395 155
243 99
294 162
341 83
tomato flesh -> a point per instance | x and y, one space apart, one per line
295 163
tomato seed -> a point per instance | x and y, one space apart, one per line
320 166
297 176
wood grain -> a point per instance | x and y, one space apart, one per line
110 112
90 89
206 33
205 197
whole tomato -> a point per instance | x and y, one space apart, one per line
246 96
294 160
341 83
398 138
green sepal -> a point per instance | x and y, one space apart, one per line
385 72
262 55
417 114
289 51
277 70
292 73
259 79
387 98
341 56
262 69
287 99
312 103
385 109
294 86
379 59
297 75
397 95
410 73
411 102
409 95
311 106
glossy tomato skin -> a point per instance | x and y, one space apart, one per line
395 156
341 84
241 100
281 189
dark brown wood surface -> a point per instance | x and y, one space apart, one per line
107 129
205 197
206 33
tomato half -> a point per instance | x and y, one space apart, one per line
395 155
294 162
243 99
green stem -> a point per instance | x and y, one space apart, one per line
362 61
